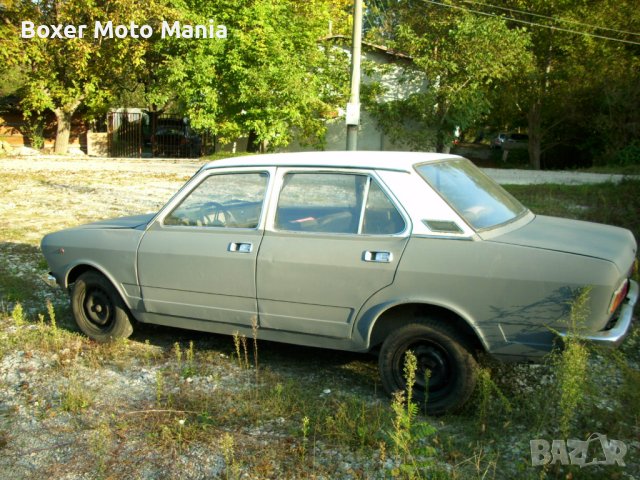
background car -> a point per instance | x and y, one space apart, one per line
498 140
510 141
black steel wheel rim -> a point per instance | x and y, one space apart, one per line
433 358
98 307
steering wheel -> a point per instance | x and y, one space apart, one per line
214 214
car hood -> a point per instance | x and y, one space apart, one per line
595 240
133 221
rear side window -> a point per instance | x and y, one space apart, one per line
381 217
336 203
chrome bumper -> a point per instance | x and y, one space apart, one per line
614 336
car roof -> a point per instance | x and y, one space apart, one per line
398 161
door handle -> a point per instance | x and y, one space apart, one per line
380 257
241 247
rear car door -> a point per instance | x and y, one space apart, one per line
336 238
198 259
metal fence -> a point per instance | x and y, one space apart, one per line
125 134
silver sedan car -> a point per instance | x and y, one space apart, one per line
360 251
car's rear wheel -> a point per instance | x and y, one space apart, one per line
98 309
439 349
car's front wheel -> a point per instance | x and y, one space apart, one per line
441 353
98 309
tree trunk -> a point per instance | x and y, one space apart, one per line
63 119
253 145
535 134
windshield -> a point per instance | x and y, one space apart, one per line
476 197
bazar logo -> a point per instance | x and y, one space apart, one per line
578 452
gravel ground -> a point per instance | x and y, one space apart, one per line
532 177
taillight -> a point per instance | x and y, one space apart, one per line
618 296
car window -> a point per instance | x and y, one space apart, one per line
381 217
332 203
223 200
476 197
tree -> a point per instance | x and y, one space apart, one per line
63 74
269 77
575 81
462 56
273 76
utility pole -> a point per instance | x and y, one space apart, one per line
353 107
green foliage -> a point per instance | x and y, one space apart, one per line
275 43
17 314
577 91
269 79
462 56
629 155
613 204
61 74
488 392
572 364
410 438
75 397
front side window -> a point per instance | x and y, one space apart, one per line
475 196
333 203
230 200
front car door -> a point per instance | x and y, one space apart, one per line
198 259
335 238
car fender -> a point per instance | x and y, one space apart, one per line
89 264
366 322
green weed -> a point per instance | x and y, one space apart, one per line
409 438
18 315
571 367
75 397
232 469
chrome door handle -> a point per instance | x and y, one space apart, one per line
380 257
240 247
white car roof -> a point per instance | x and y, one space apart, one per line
398 161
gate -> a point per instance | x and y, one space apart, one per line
124 134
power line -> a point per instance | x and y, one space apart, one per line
559 20
524 22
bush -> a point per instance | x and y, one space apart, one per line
629 155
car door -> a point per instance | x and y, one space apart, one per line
335 239
198 259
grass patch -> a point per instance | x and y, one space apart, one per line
613 204
616 169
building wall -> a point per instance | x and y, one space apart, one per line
399 80
14 131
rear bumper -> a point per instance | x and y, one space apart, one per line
615 335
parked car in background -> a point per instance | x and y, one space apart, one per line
510 141
498 140
363 251
170 142
175 139
516 141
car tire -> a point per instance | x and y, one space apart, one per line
439 348
98 308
